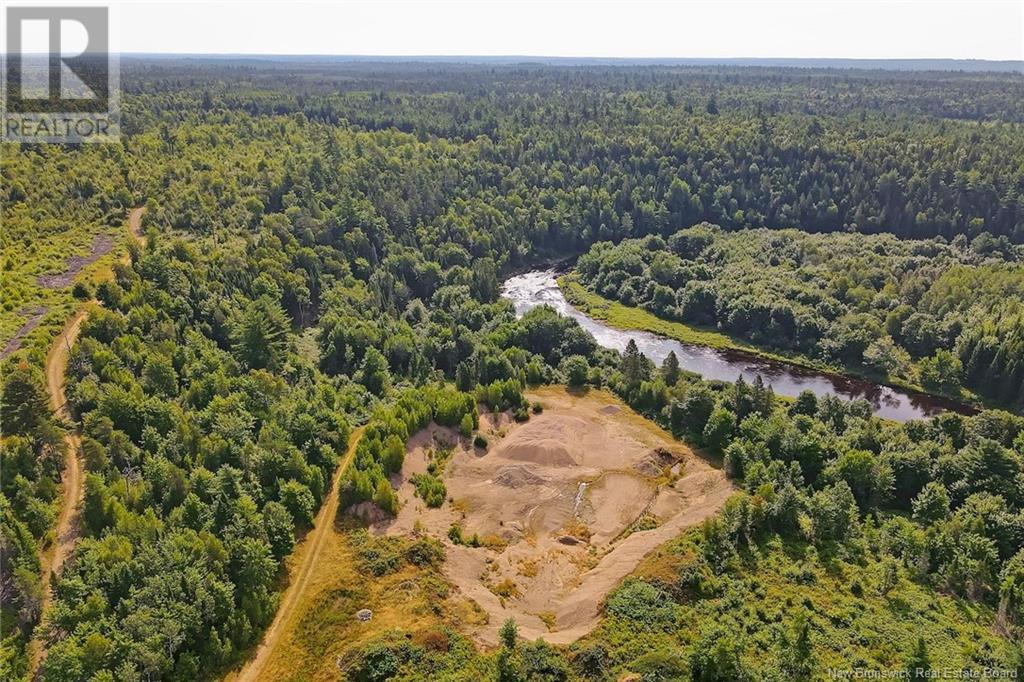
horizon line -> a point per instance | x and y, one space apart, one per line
904 64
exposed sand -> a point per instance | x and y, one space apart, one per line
553 501
35 316
101 246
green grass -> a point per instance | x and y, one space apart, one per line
48 254
625 317
768 586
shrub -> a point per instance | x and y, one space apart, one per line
430 489
506 588
575 368
480 441
436 641
455 534
717 657
640 601
379 662
537 408
82 291
424 551
541 661
466 425
593 661
380 555
661 665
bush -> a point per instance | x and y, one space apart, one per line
379 663
479 441
640 601
718 429
537 408
661 665
82 291
430 489
593 661
521 415
717 657
380 555
575 368
541 661
425 551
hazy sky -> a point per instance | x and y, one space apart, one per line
980 29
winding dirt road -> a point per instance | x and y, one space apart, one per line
307 555
67 521
52 558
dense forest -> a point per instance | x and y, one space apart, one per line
325 245
929 312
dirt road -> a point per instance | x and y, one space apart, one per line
52 558
135 227
56 363
306 556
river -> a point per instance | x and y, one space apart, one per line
540 287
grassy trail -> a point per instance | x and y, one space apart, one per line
305 557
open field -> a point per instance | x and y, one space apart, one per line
38 282
564 506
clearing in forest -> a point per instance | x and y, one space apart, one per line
560 508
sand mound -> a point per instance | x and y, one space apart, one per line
516 477
543 451
368 512
655 461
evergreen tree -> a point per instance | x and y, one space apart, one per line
919 663
509 634
23 407
670 369
797 654
632 367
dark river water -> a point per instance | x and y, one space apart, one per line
540 287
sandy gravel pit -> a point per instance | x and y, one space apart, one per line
565 505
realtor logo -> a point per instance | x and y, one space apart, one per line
60 81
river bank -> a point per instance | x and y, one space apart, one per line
711 354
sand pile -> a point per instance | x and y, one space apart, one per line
547 452
653 464
517 477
